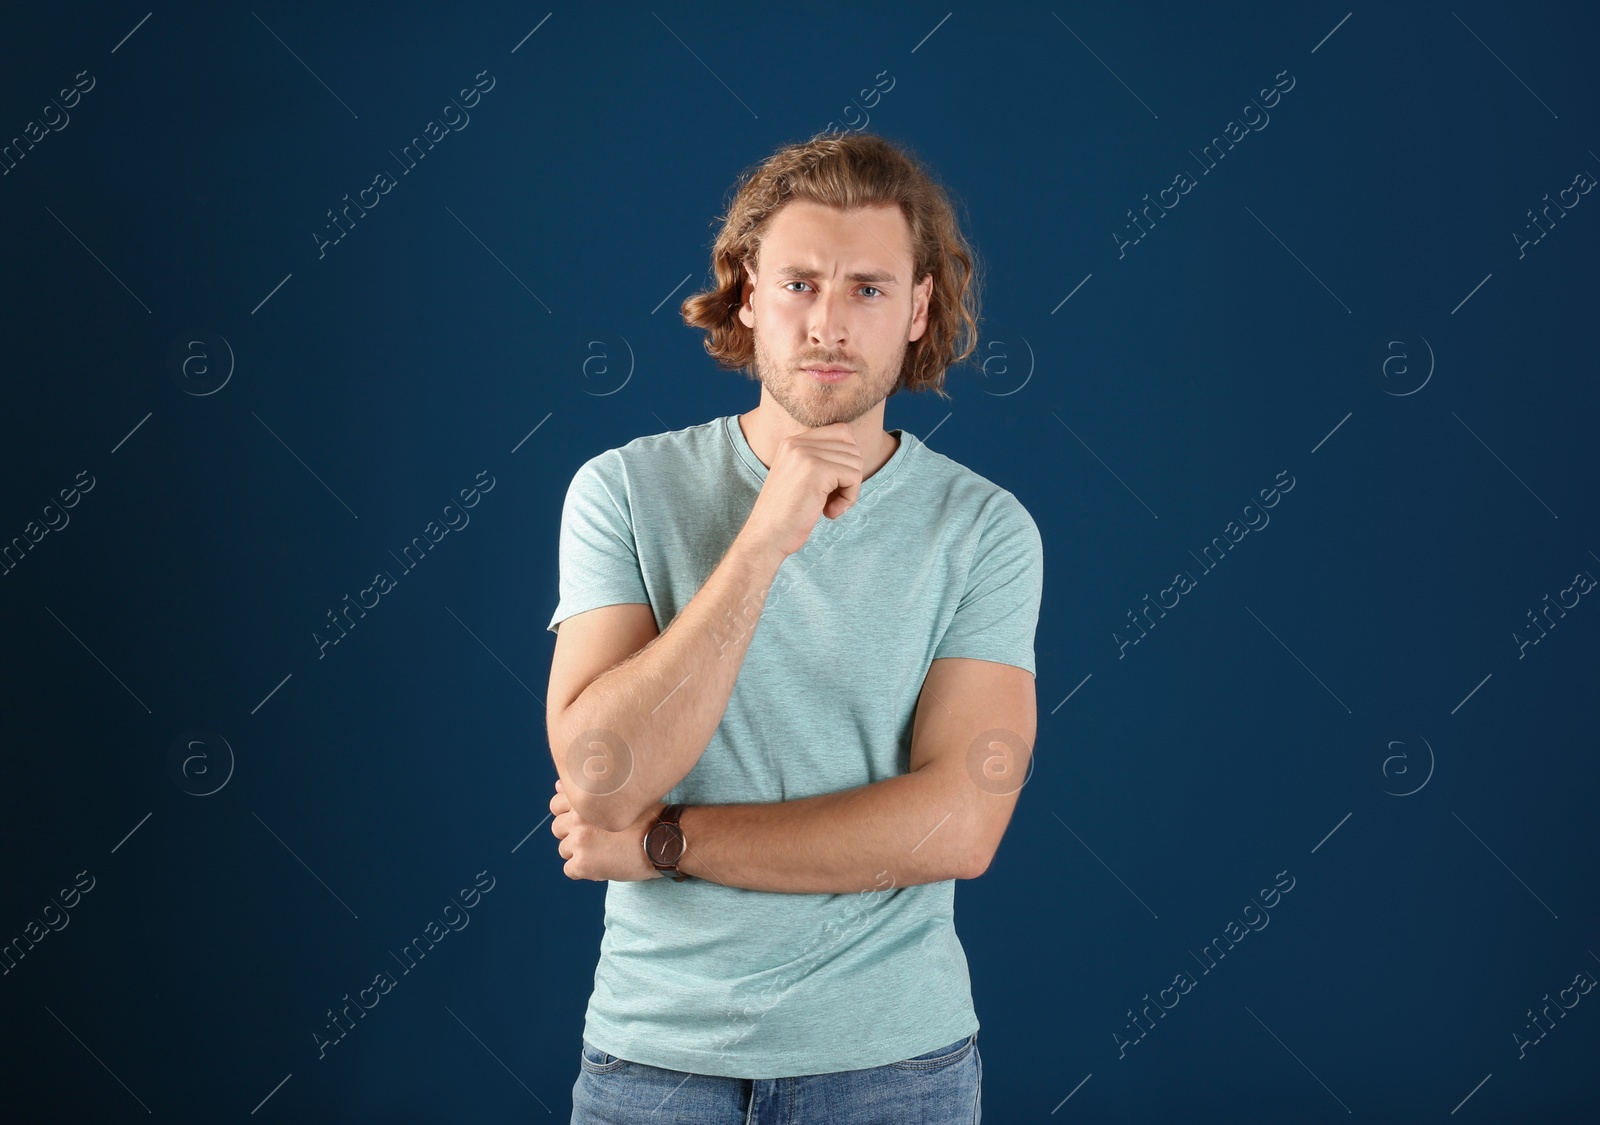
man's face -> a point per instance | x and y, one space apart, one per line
833 290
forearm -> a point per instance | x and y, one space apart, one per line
914 828
660 706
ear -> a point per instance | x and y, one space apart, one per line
921 297
747 313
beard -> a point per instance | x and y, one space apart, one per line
812 403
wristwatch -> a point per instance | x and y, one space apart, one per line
664 844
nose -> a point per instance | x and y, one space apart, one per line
828 318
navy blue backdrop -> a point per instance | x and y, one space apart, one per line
1231 248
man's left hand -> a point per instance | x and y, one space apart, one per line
593 853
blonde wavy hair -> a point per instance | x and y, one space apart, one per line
846 172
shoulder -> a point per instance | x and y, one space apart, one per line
966 493
652 456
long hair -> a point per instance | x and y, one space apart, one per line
846 172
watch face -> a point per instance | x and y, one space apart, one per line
665 844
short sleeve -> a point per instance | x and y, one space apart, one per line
598 555
999 609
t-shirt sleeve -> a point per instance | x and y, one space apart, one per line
598 555
999 609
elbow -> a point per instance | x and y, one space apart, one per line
603 804
589 779
603 810
977 863
608 813
597 774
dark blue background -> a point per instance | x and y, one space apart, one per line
1245 736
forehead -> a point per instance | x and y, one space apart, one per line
812 238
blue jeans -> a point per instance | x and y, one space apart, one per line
941 1087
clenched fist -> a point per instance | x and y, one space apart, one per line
813 474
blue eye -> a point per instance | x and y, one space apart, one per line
874 288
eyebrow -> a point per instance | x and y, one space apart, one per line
802 273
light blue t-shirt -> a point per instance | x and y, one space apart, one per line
932 561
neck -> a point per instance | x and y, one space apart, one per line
877 445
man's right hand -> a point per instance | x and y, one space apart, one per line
814 473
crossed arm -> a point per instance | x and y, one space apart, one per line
971 741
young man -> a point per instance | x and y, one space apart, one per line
782 787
